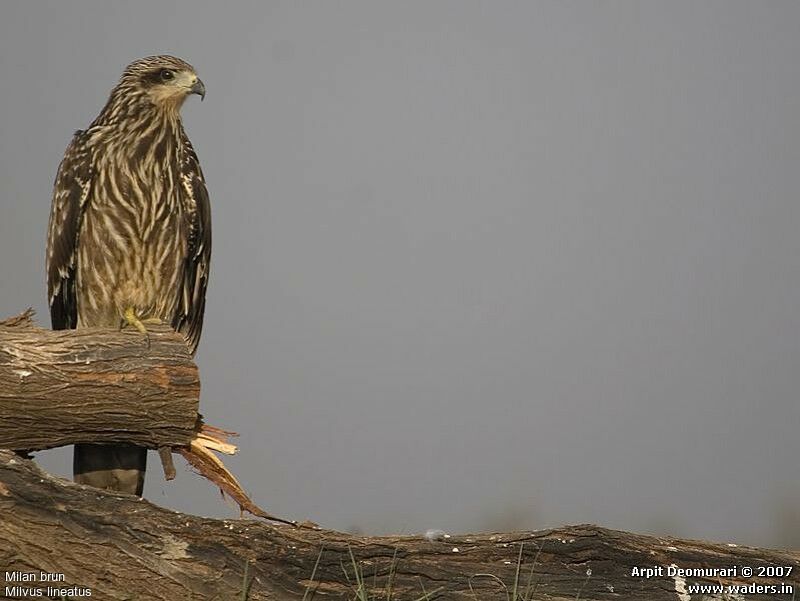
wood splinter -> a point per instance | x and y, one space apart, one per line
165 453
200 456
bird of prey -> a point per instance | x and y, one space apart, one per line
129 240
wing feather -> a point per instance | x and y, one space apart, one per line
70 194
192 297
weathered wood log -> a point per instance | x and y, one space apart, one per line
100 385
95 385
121 547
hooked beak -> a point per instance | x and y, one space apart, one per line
199 89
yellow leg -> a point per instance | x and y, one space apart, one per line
132 319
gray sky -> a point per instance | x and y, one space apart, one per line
476 265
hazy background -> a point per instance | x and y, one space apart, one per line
477 265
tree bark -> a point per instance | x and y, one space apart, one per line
98 385
120 547
95 385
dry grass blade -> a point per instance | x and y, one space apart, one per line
361 590
313 574
490 576
245 583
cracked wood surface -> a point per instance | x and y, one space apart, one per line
62 387
122 547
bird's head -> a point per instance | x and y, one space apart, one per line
166 81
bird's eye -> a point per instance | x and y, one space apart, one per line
166 75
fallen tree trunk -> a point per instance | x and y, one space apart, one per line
120 547
95 385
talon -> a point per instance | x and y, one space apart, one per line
132 319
